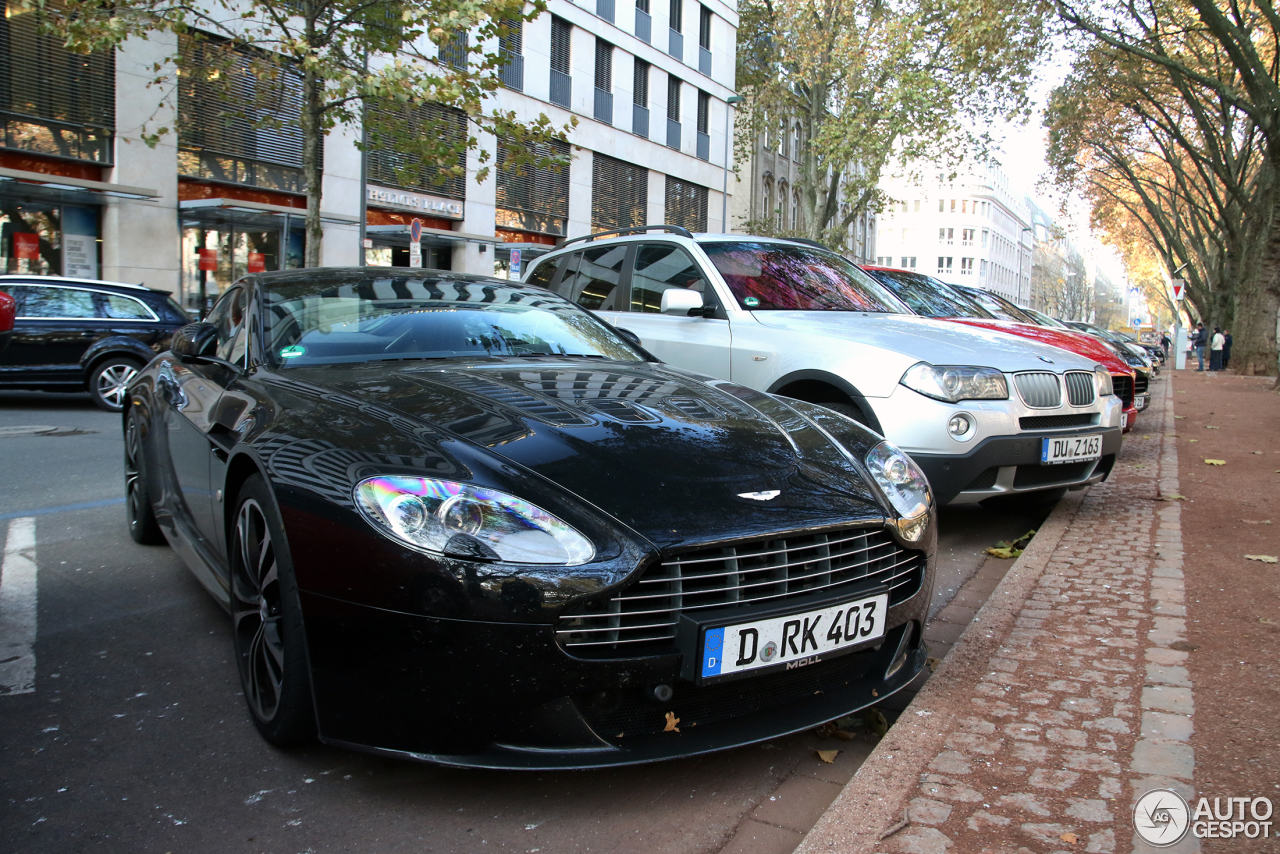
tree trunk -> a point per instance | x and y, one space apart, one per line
1253 350
312 145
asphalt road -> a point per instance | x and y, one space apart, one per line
135 737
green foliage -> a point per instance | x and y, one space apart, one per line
868 80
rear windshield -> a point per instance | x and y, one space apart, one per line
785 277
927 296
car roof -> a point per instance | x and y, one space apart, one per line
36 278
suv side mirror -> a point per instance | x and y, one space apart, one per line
682 302
193 341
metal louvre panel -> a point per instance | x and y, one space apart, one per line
604 65
534 198
223 118
686 205
53 101
513 41
640 84
704 28
560 31
1079 388
644 616
704 112
388 165
1039 390
673 98
619 193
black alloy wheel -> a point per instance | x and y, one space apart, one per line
267 622
143 527
109 382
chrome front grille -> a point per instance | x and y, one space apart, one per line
1123 388
1039 390
642 619
1079 388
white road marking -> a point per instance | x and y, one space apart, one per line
18 609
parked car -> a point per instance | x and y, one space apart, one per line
1133 345
460 520
78 334
984 413
7 310
1142 366
930 297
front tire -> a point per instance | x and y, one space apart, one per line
109 382
266 615
143 527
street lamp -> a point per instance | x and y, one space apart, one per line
724 187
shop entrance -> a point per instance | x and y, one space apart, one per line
217 250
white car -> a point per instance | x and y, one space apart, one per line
987 415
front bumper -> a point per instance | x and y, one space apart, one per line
1005 465
503 695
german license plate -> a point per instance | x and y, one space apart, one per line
1140 402
792 641
1070 449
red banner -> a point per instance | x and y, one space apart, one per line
208 260
26 246
257 262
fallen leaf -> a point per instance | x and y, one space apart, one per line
1172 496
1069 838
875 693
1179 416
827 756
1265 620
845 736
621 734
932 663
1263 558
1193 440
672 720
1004 553
1183 646
1256 521
1210 427
877 721
1216 462
1259 453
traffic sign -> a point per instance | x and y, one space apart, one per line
415 230
1179 288
415 243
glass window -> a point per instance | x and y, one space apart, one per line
659 267
998 306
927 296
50 302
593 276
541 276
118 307
364 319
229 316
785 277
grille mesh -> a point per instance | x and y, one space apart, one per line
1055 422
641 620
1123 388
1140 383
1079 388
1039 390
1042 475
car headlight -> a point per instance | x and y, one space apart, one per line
1102 377
954 383
905 485
427 514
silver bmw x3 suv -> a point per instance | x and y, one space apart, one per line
986 415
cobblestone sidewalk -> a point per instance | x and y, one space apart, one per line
1066 699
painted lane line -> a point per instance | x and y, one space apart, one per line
64 508
18 609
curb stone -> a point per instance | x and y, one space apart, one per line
1086 617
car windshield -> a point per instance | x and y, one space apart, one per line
766 276
927 296
1045 320
998 306
372 318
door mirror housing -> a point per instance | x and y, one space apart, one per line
682 302
629 335
193 341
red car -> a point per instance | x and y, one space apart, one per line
8 308
930 297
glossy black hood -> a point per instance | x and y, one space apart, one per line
660 450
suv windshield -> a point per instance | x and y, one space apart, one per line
929 297
786 277
998 306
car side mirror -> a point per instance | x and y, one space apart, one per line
630 336
194 341
682 302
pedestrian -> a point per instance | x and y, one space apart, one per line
1198 343
1165 344
1226 348
1215 349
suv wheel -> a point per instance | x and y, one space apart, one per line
110 379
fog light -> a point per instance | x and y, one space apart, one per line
662 693
959 426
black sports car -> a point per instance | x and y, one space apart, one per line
461 520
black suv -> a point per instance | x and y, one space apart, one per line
73 334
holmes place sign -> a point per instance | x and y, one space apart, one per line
416 202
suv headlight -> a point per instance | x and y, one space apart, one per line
954 383
426 514
1102 377
905 485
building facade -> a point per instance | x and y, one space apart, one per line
82 194
973 229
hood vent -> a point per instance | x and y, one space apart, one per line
620 410
696 409
1039 390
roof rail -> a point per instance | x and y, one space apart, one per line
635 229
